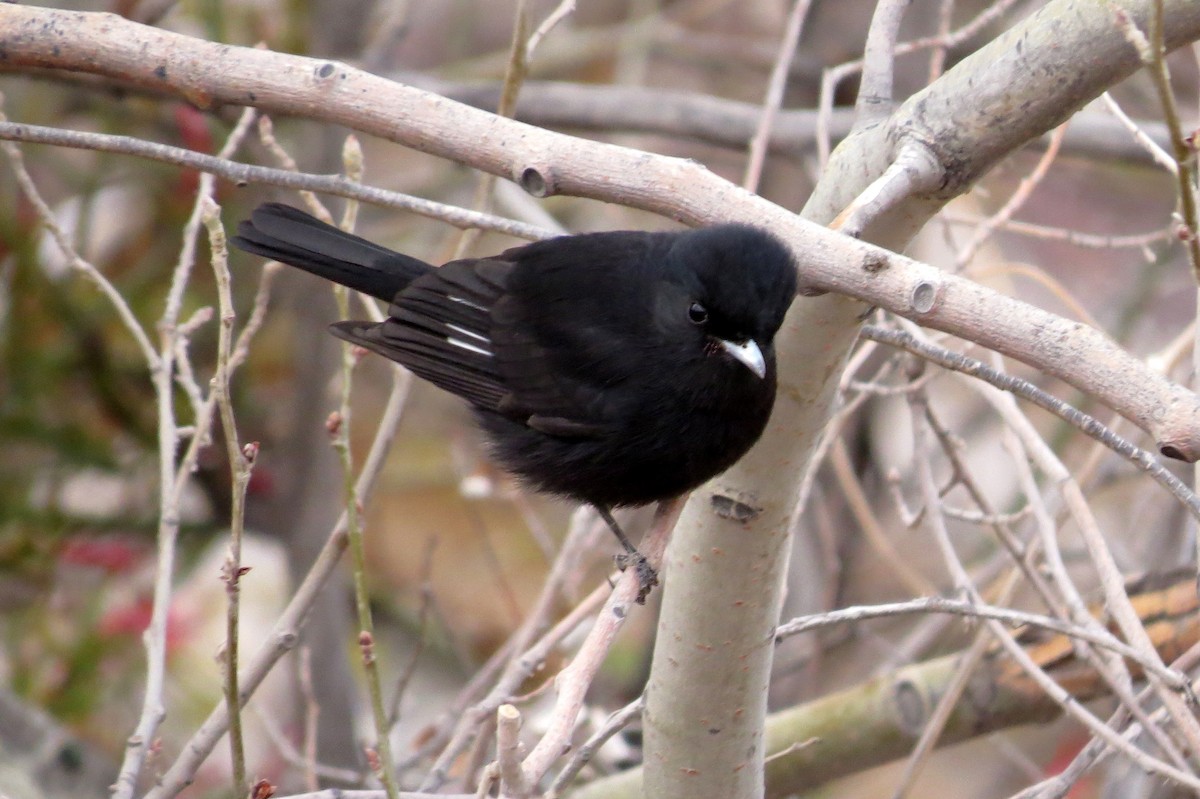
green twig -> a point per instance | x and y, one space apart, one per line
1152 50
339 427
240 464
514 76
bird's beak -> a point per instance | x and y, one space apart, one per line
748 353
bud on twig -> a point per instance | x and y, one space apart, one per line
262 790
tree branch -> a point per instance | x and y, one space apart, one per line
548 163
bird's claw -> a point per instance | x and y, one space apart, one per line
647 576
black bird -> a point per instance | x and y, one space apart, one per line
615 368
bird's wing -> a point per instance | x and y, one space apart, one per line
444 328
439 327
549 386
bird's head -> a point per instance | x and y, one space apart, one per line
739 281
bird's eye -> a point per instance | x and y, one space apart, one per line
697 313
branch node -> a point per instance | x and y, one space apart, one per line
1169 450
739 510
874 262
537 181
924 296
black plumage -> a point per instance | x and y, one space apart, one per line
613 368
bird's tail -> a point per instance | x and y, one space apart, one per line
283 233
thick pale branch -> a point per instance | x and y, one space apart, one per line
206 73
1057 346
550 163
670 112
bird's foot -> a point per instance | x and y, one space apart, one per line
647 576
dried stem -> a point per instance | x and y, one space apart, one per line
284 634
775 88
239 465
1186 174
383 764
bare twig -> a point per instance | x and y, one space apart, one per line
616 722
508 753
1117 600
775 89
573 681
171 476
243 174
17 161
1059 785
1003 616
937 58
860 508
1144 140
1014 203
563 10
414 658
523 653
240 463
1153 53
1027 391
1027 448
284 634
1079 713
339 430
1075 237
514 75
875 94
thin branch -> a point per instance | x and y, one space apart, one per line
937 58
876 98
244 174
561 12
1154 54
1006 616
171 482
17 161
1097 749
508 753
860 508
1095 241
524 653
775 89
1024 189
1155 150
833 76
1028 448
515 71
1081 714
284 635
721 122
339 429
616 722
1087 424
574 680
240 463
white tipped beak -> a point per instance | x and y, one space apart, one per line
748 353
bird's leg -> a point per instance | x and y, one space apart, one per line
647 577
